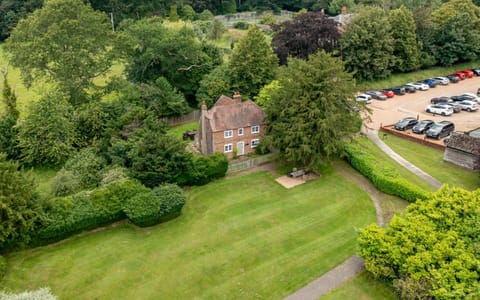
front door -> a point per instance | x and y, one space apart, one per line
240 148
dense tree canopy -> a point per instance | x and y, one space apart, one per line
65 41
405 46
368 45
252 64
8 122
431 252
304 35
13 10
312 111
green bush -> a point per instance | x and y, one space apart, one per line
207 168
114 174
85 210
3 266
87 166
262 149
152 207
65 183
383 177
241 25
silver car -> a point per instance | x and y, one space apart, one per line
439 109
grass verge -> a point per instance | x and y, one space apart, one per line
240 238
361 287
431 161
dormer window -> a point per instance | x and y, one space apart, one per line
255 129
240 131
228 134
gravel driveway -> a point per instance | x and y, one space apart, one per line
413 105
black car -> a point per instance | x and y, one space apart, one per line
438 100
440 129
476 71
398 90
405 123
422 126
376 95
453 78
463 98
409 89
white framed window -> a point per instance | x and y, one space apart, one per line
255 129
227 148
228 134
255 143
240 131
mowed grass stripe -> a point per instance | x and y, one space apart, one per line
240 238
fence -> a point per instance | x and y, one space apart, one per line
284 14
235 166
192 116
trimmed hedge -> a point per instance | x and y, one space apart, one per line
3 266
385 178
207 168
155 206
85 210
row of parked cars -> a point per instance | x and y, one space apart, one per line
446 106
431 129
422 85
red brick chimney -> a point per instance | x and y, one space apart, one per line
237 98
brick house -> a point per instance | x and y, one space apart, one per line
463 149
230 126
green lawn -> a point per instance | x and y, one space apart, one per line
431 161
361 287
240 238
180 129
386 160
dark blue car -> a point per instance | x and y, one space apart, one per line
431 83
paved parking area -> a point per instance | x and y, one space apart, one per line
413 105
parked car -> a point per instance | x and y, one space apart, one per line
454 105
422 126
388 93
468 105
364 98
439 109
472 96
460 75
468 73
447 138
459 98
441 80
398 90
419 85
442 99
476 71
409 89
406 123
376 95
453 78
440 129
430 82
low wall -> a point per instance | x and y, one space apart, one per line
247 163
413 137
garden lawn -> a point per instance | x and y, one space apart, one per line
373 149
431 161
361 287
241 238
178 131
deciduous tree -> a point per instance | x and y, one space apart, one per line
406 49
313 111
65 41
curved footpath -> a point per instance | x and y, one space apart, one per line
353 265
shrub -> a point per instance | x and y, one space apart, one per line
87 167
40 294
262 149
207 168
383 177
240 25
85 210
3 266
65 183
114 174
152 207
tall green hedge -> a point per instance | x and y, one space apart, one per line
85 210
385 178
206 168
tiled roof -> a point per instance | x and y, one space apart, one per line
227 114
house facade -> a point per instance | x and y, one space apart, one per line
463 149
232 126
